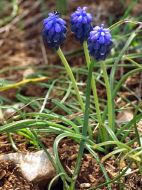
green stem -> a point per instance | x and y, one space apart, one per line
102 131
122 52
85 127
118 86
69 72
40 144
12 142
114 67
62 6
134 62
109 97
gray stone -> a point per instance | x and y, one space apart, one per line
9 112
35 166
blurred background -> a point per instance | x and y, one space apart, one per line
22 51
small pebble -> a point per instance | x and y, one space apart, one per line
2 174
134 166
122 165
73 157
85 185
92 179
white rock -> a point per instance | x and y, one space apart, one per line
12 110
35 166
124 117
28 72
85 185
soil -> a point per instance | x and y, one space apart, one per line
11 178
21 45
90 174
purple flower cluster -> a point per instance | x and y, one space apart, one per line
81 24
99 42
54 30
99 38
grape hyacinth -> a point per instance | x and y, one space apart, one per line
99 42
54 30
81 24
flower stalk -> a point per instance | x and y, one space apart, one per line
85 128
70 74
109 97
102 131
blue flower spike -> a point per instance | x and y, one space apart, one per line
54 30
100 42
81 24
